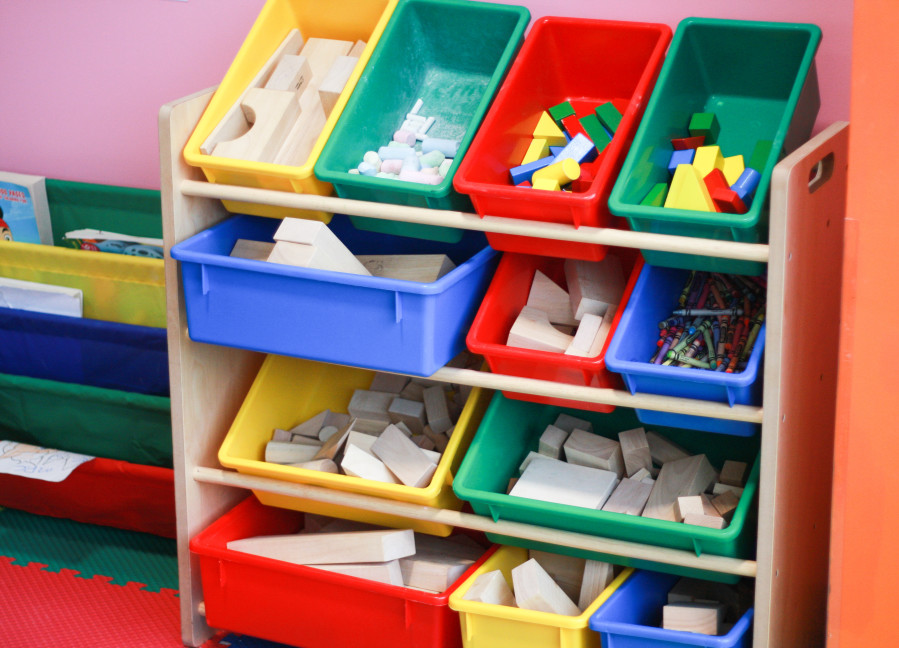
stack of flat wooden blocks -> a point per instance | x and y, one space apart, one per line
575 321
546 582
704 607
642 473
281 113
393 556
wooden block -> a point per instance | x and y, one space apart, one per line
719 489
707 507
357 49
692 590
388 382
323 52
329 252
249 249
490 587
321 465
292 73
689 505
693 617
548 296
423 268
359 463
389 572
361 440
530 457
304 133
281 436
436 409
412 413
533 330
439 440
437 563
551 441
335 81
289 453
643 475
593 286
635 450
591 334
549 480
311 426
367 404
688 191
710 521
334 444
688 476
566 571
733 473
327 432
629 497
459 546
588 449
234 123
371 427
424 443
663 450
535 590
331 548
570 423
511 484
597 576
272 113
309 441
725 504
413 391
403 458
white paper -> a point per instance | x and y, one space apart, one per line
43 298
35 462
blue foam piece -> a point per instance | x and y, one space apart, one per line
746 185
555 150
525 171
580 149
680 157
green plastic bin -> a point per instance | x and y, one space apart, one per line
451 54
89 420
511 428
759 79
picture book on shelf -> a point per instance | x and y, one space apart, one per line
24 212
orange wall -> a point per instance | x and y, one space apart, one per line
864 603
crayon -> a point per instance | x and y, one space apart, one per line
707 312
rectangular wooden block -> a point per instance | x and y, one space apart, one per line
597 576
663 450
566 571
329 252
549 480
359 463
330 548
710 521
321 465
570 423
292 73
690 505
551 441
535 590
412 413
388 382
588 449
629 497
491 587
533 330
693 617
388 572
423 268
403 458
289 453
335 81
733 473
298 143
437 563
725 504
689 476
369 404
635 450
436 409
594 285
591 334
249 249
548 296
323 52
719 489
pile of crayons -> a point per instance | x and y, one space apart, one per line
716 323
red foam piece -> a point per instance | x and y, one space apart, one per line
684 143
573 126
40 609
728 201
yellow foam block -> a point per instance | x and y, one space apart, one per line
547 184
548 130
733 168
707 159
559 172
538 148
688 191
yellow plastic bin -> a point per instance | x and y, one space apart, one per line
288 391
498 626
350 20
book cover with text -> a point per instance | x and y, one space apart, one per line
24 212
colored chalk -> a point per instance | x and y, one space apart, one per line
682 143
406 137
524 171
446 146
411 163
395 152
547 129
595 131
705 124
418 104
391 166
432 159
656 195
367 169
372 158
580 149
706 312
561 111
677 158
609 116
419 177
444 167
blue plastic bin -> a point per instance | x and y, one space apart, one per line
632 616
84 351
634 342
362 321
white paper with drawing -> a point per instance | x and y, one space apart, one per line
38 463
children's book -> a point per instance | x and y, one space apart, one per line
24 212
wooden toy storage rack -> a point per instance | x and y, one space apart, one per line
209 382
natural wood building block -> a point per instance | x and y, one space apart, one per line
292 73
334 443
533 330
591 334
548 296
322 52
272 113
566 571
551 441
335 81
357 49
289 453
733 473
688 476
725 504
594 285
589 449
312 426
437 563
367 404
597 576
439 440
361 440
436 409
359 463
710 521
643 475
692 590
329 252
689 505
388 382
719 489
326 433
412 413
549 480
403 458
707 507
491 587
331 548
693 617
530 457
511 484
459 546
320 465
635 450
423 268
423 442
413 391
249 249
534 589
305 131
281 436
629 497
663 450
570 423
371 427
388 572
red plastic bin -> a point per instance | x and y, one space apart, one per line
585 62
309 607
507 294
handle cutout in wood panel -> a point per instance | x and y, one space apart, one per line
820 173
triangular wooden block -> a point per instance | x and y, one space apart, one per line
688 191
552 299
547 129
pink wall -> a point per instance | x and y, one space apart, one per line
82 82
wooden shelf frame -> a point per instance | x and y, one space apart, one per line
209 383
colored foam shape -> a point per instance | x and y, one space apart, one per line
547 184
555 150
727 201
549 130
609 116
562 172
560 111
580 149
572 126
526 184
595 131
733 167
688 191
681 143
684 156
715 179
746 185
708 158
524 171
760 152
705 124
538 148
656 196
